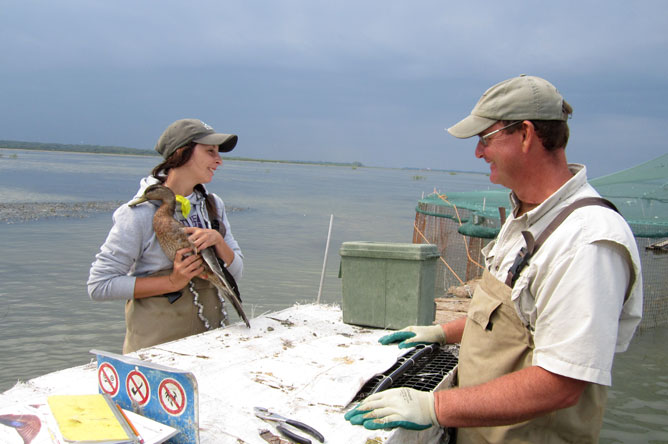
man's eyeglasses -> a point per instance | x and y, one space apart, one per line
483 139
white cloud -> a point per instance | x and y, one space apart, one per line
361 67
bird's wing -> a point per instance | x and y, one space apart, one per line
209 256
171 236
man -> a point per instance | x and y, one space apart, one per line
558 297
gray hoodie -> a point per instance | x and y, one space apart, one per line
132 250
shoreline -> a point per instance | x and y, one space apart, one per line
22 212
353 165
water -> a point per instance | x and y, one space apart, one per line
280 218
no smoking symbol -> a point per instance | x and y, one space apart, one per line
107 378
137 388
172 397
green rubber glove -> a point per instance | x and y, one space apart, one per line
417 334
399 407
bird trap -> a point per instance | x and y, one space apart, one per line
425 367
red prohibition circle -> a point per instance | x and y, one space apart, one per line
107 379
137 387
172 396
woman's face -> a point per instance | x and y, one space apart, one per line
203 163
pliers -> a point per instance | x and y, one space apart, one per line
265 414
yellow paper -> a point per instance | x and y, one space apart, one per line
86 418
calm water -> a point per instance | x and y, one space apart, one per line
281 218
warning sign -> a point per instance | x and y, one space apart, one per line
172 397
162 393
137 387
107 377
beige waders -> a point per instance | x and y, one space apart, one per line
154 320
495 343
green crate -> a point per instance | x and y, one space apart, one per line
388 285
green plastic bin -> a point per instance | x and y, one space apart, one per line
388 285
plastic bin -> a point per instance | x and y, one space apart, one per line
388 285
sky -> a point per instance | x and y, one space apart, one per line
375 81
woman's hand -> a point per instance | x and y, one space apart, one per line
187 265
203 237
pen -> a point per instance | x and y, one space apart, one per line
141 440
53 436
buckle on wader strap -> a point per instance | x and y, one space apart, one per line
525 253
521 260
173 296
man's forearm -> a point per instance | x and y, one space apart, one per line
512 398
454 330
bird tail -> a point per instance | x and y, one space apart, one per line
229 287
227 292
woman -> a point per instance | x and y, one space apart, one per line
166 300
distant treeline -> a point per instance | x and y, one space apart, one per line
305 162
99 149
13 144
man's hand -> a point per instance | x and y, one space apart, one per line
417 334
399 407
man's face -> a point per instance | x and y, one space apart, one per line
501 151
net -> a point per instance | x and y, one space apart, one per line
461 223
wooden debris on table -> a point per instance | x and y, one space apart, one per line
659 247
456 303
271 438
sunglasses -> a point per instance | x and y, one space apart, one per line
484 139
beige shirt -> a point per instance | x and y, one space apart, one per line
581 294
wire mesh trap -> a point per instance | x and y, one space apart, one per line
461 223
422 368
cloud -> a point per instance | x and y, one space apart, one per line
375 79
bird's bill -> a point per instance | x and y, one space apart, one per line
137 201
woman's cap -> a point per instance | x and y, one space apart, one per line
184 131
520 98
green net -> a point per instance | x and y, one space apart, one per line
461 223
640 193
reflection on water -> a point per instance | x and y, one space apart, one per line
637 410
47 321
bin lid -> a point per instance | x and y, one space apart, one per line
389 250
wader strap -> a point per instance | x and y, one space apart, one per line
230 279
525 253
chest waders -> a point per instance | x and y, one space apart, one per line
159 319
496 342
155 320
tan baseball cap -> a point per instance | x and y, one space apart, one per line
184 131
520 98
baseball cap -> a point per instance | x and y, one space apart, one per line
184 131
520 98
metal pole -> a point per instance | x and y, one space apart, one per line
324 263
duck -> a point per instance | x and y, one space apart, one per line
172 238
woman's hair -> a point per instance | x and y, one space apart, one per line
180 157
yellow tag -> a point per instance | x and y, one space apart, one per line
185 205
